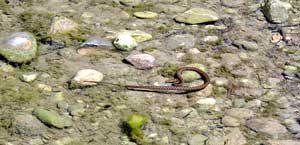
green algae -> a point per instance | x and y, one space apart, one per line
168 70
132 126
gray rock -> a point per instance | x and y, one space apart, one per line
76 110
233 3
267 126
26 124
52 118
240 113
248 45
235 137
197 140
97 42
275 11
229 121
197 16
19 47
180 41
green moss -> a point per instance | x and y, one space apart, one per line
12 90
169 70
132 127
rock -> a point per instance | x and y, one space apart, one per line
180 41
253 104
141 61
44 87
292 125
19 47
229 121
235 137
239 103
275 11
290 70
211 39
189 76
52 118
125 42
170 9
86 77
283 142
61 26
207 101
4 67
267 126
145 15
197 140
29 77
230 59
248 45
139 36
240 113
197 16
233 3
76 110
215 140
130 2
93 46
220 82
28 125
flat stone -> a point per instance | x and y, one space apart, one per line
267 126
62 25
197 16
145 15
86 77
52 118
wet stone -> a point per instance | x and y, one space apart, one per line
52 118
197 16
145 15
28 125
141 61
267 126
275 11
86 77
125 41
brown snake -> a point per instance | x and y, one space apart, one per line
177 82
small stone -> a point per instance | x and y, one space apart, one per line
267 126
28 125
276 11
197 140
19 47
290 70
62 105
44 87
189 76
292 125
4 67
62 25
276 37
125 42
180 41
233 3
139 36
240 113
58 96
253 104
197 16
29 77
230 59
221 82
93 46
229 121
52 118
130 2
248 45
76 110
207 101
211 39
283 142
86 77
141 61
145 15
239 103
235 137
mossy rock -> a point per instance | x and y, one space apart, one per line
52 118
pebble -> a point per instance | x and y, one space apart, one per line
125 42
52 118
235 137
19 47
180 41
247 45
240 113
28 125
86 77
4 67
275 11
211 39
267 126
197 140
229 121
44 87
141 61
197 16
230 59
62 25
29 77
130 2
207 101
76 110
145 15
233 3
94 45
239 103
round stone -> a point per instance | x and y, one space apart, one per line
125 42
141 61
86 77
19 47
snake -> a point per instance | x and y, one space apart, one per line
177 82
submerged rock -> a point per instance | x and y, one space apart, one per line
19 47
94 45
86 77
145 15
52 118
197 16
124 41
141 61
28 125
276 11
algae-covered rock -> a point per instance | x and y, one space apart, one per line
19 47
197 16
145 15
28 125
52 118
125 42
